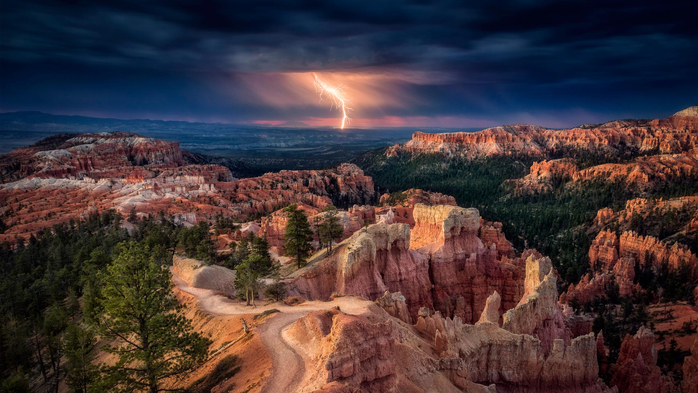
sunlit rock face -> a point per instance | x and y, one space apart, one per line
463 271
441 263
458 292
98 156
666 136
369 263
616 258
349 351
644 173
72 177
664 151
538 314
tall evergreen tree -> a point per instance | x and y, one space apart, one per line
151 337
298 235
257 265
329 227
78 343
55 322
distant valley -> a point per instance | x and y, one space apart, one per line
261 148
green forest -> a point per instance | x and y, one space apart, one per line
75 283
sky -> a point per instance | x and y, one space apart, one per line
401 64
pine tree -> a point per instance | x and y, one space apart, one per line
151 337
329 228
257 265
298 235
55 322
78 343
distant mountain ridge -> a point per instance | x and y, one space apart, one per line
675 134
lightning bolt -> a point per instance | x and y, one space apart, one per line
337 96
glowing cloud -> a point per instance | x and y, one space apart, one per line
337 96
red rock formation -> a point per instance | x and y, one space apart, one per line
588 288
601 354
491 312
543 174
690 370
642 208
463 271
615 258
636 370
350 350
343 186
191 193
485 353
537 314
447 225
402 211
668 136
577 323
394 304
641 249
644 173
451 271
603 216
674 140
491 233
414 196
98 156
273 226
372 261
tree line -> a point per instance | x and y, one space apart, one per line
72 285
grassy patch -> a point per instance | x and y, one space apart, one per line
266 313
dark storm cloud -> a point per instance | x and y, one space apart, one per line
165 58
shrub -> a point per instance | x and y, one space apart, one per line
276 291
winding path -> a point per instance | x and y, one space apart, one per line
288 366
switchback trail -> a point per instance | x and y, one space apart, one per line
288 366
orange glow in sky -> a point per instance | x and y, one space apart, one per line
337 96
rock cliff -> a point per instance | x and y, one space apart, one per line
615 259
537 314
394 304
666 136
608 250
350 350
372 261
484 353
683 210
636 369
463 271
399 207
690 370
644 173
189 192
441 264
99 156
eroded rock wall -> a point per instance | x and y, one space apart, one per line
373 260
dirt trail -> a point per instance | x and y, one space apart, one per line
288 366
